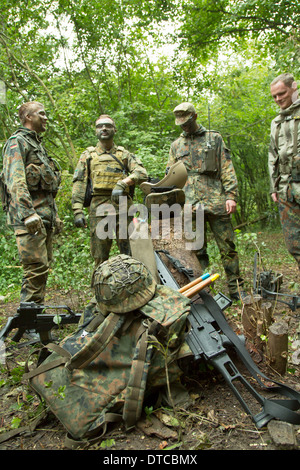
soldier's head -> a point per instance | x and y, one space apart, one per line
105 128
33 116
122 284
284 90
186 117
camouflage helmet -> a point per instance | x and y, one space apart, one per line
183 112
177 176
123 284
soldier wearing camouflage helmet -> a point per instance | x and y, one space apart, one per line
113 171
211 182
31 178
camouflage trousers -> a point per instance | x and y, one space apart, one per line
289 212
222 230
35 253
105 228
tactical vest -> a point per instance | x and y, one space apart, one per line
202 159
42 172
105 169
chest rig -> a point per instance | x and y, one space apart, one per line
106 169
42 172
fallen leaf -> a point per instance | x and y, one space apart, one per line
163 444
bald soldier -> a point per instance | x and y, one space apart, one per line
113 172
32 179
211 182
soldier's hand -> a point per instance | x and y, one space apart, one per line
59 225
230 206
118 191
79 220
33 223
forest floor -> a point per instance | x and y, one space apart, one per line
215 419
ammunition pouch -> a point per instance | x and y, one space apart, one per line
42 177
208 161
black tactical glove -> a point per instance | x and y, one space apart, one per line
79 220
118 191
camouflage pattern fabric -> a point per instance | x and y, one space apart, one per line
123 284
100 248
35 253
284 169
32 187
108 367
211 181
289 212
211 176
32 179
222 230
284 155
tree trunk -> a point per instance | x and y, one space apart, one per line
278 346
253 323
175 244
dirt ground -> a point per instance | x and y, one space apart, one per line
214 420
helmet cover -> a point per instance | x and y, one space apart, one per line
123 284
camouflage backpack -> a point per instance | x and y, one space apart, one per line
123 352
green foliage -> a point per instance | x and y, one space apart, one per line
10 272
209 25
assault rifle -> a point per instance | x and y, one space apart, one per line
267 284
31 316
209 337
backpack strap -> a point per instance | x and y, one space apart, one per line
73 444
136 386
64 356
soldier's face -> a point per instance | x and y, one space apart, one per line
284 95
38 119
105 129
190 125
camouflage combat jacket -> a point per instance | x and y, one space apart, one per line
284 154
103 183
32 179
211 175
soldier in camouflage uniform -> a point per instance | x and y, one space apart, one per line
113 170
284 160
32 180
211 182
